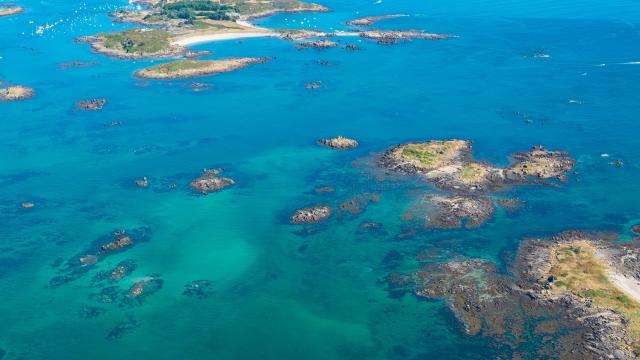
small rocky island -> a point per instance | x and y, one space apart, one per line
180 69
370 20
339 143
311 215
459 211
578 292
16 93
7 10
448 164
91 104
210 181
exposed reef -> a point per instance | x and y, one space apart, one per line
210 181
370 20
180 69
98 250
339 143
448 164
318 44
16 93
358 203
91 105
395 36
459 211
294 34
311 215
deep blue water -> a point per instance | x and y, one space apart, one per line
279 295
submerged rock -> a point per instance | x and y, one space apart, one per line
339 143
210 181
311 215
199 288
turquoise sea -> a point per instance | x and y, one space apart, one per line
281 291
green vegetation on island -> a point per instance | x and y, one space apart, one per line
193 68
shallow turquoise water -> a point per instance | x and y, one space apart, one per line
278 294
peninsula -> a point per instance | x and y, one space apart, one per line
170 26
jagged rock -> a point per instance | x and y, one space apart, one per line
311 215
339 143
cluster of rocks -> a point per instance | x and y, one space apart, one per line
311 215
117 273
16 93
339 143
97 251
318 44
91 104
358 203
459 210
210 181
395 36
303 34
352 47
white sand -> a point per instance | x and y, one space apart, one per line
199 39
626 284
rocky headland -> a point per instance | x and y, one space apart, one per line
180 69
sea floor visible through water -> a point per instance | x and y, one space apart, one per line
276 290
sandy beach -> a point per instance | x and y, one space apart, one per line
199 39
626 284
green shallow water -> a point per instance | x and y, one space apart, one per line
279 294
